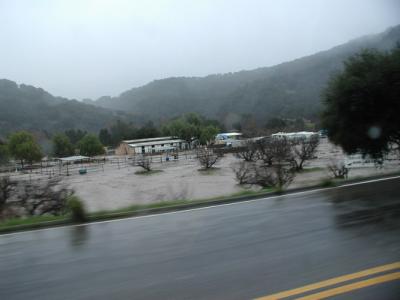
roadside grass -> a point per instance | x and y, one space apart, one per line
125 211
246 192
146 173
313 169
327 182
171 203
31 220
139 207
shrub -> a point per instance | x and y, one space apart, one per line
77 209
327 182
338 169
249 151
244 173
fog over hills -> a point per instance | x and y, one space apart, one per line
289 90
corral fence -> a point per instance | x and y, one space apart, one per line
54 168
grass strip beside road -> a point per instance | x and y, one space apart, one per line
37 222
32 223
173 205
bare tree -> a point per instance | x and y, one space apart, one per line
303 149
207 157
272 150
264 176
6 187
244 173
394 147
32 198
284 175
38 198
278 175
338 169
249 151
145 163
276 169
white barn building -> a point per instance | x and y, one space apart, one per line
229 139
295 135
150 145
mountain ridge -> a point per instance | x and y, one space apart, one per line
263 92
24 107
290 89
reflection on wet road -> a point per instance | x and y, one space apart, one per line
241 251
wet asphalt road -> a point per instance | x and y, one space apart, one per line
239 251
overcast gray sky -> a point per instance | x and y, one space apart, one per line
89 48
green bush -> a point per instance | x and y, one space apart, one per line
327 182
76 209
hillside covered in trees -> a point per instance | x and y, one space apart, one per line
289 90
26 107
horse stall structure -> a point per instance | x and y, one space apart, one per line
68 165
151 145
229 139
296 135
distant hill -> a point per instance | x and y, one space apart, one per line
26 107
288 90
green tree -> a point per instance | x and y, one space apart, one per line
122 131
23 147
147 131
105 137
4 153
194 119
181 129
75 135
362 103
90 145
191 127
62 146
207 134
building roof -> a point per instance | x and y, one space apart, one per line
155 143
300 133
74 158
227 135
148 140
230 134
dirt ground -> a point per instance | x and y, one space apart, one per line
113 188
